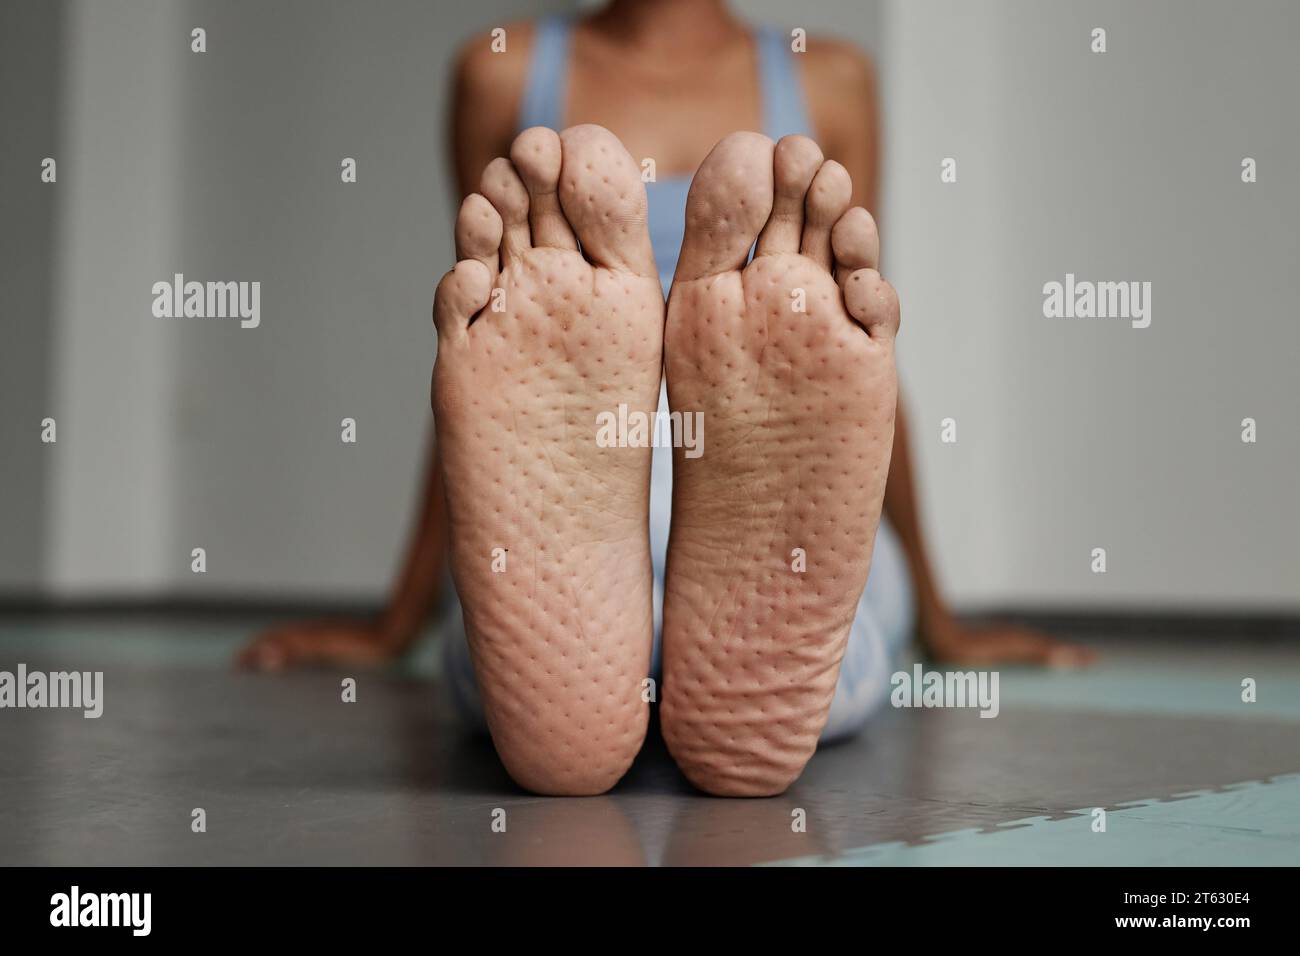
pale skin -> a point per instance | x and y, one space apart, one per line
675 108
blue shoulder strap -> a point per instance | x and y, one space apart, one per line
784 109
548 75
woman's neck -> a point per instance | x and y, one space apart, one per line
680 27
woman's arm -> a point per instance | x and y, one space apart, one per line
486 90
842 93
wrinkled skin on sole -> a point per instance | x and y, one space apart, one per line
791 360
549 542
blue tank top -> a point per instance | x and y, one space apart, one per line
784 112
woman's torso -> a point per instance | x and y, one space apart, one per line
670 118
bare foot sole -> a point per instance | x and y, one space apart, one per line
536 337
791 360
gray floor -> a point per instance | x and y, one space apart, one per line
289 774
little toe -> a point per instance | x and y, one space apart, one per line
462 294
873 303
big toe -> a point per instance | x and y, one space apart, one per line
604 200
729 203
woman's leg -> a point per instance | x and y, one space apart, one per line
457 668
883 625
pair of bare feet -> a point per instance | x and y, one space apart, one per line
553 316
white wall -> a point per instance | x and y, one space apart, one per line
116 225
30 78
224 165
285 92
1075 435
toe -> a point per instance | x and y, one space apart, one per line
536 157
873 303
729 203
505 191
478 233
828 198
603 199
794 164
855 242
461 294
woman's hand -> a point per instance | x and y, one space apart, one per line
321 642
949 641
